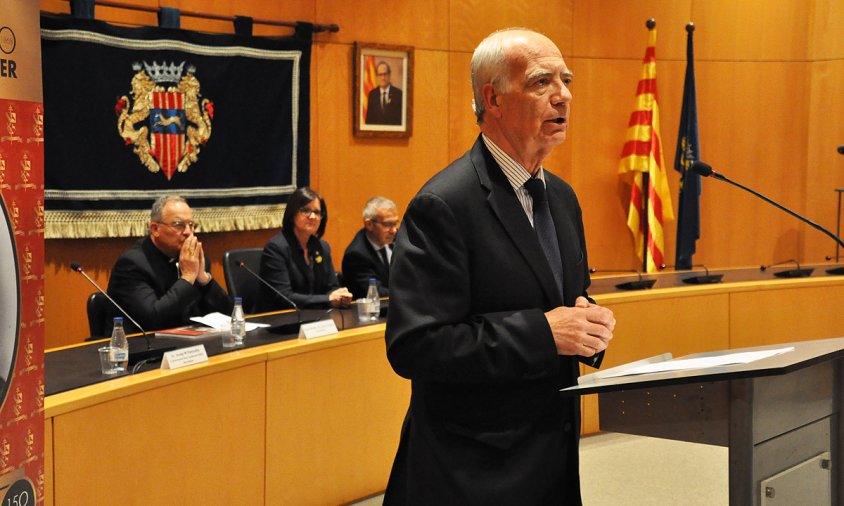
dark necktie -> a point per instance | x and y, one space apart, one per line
383 254
544 226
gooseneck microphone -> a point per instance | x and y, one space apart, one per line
705 170
639 284
290 328
150 354
791 273
706 279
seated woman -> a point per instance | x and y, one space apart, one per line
297 262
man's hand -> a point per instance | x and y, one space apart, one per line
192 261
585 329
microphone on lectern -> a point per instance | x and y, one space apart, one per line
705 170
639 284
150 354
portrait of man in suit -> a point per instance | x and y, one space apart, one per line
489 312
384 105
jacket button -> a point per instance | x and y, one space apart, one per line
567 427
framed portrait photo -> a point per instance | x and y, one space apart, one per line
383 90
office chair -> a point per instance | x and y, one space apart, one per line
99 315
239 281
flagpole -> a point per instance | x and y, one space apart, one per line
650 24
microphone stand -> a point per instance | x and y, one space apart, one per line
639 284
791 273
706 171
706 279
287 328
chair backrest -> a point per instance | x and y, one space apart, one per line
239 281
99 315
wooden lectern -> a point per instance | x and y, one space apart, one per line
779 416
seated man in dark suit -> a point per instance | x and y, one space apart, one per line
164 279
369 254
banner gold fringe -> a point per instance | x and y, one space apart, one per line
97 224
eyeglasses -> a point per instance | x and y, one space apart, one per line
182 225
311 212
386 224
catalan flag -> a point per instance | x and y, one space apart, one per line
688 150
642 155
369 81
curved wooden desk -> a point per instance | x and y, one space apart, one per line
317 422
297 422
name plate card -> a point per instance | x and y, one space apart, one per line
184 356
317 329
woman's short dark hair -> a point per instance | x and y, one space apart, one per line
299 199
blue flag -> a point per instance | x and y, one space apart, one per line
688 150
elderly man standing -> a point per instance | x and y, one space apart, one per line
489 315
164 278
369 253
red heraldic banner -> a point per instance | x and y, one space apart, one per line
22 465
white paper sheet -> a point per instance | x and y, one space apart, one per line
220 320
699 363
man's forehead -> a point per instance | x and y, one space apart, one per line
176 208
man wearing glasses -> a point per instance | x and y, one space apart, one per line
164 279
368 255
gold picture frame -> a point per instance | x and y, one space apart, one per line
383 75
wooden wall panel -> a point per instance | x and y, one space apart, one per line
755 30
615 29
825 167
462 126
420 23
471 20
826 27
752 118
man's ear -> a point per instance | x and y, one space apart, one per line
491 98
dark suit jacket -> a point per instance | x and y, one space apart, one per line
283 266
469 288
361 262
391 114
147 285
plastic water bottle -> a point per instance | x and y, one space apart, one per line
119 346
238 328
372 300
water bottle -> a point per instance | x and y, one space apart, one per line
119 346
238 327
372 301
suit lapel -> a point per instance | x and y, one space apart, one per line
510 213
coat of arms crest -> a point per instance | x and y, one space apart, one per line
166 120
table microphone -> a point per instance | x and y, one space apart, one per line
705 170
706 279
150 354
288 328
639 284
791 273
